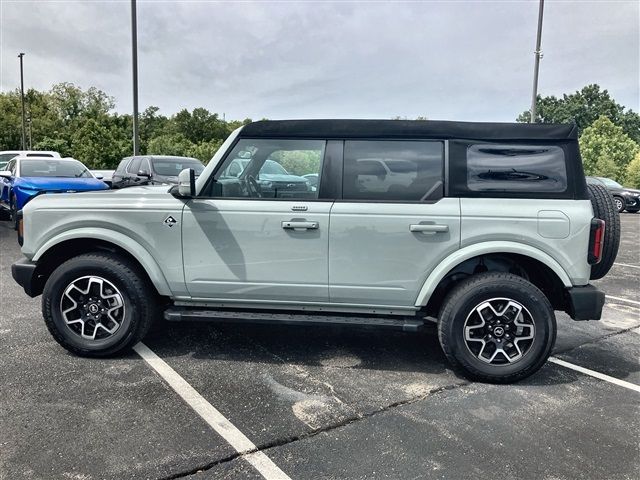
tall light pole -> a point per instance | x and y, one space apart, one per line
134 56
536 68
24 124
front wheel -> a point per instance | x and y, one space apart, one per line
97 304
497 327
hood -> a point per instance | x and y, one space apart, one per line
62 184
278 177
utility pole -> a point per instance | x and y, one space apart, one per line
134 55
24 125
536 68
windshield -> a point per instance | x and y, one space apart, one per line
609 183
171 167
5 157
53 168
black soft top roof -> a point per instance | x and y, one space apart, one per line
410 129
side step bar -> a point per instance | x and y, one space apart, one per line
182 314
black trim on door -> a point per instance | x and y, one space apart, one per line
330 181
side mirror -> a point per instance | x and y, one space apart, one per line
5 174
99 177
144 173
187 183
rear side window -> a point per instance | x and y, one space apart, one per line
387 170
516 168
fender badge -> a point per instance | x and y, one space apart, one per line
170 221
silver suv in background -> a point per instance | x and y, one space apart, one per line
486 230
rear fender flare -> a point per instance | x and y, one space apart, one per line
455 259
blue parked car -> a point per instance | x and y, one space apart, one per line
27 177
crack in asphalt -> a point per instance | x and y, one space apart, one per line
596 340
312 433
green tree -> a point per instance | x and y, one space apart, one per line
606 150
10 121
56 144
584 107
170 144
96 146
632 177
205 150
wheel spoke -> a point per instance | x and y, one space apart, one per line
92 307
499 331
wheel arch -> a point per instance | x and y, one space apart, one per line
70 244
523 260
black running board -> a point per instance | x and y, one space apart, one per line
183 314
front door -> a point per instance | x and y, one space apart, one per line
259 233
392 226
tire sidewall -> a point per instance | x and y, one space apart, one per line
52 297
543 318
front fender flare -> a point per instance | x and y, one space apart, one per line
455 259
123 241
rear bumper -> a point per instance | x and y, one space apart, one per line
24 273
584 303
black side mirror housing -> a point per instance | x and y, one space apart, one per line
144 173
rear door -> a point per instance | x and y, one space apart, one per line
387 237
250 239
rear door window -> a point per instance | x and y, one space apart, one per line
381 170
516 168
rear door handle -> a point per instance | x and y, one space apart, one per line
428 228
293 225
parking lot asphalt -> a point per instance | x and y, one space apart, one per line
324 403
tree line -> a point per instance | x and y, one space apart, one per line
82 124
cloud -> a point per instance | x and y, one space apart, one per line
446 60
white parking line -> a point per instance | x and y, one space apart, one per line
627 265
212 416
593 373
635 302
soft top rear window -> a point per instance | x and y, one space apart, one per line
516 168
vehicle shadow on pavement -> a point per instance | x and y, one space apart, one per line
334 346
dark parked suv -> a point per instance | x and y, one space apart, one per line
624 198
153 170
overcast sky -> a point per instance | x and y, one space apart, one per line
456 60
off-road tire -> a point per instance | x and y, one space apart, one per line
139 296
604 208
461 302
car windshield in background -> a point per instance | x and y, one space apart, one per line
5 157
610 183
53 168
172 167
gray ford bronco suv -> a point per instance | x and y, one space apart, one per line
484 228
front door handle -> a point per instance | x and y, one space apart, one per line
293 225
428 228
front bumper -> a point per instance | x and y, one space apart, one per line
24 273
584 303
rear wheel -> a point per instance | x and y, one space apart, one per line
98 304
497 327
605 209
